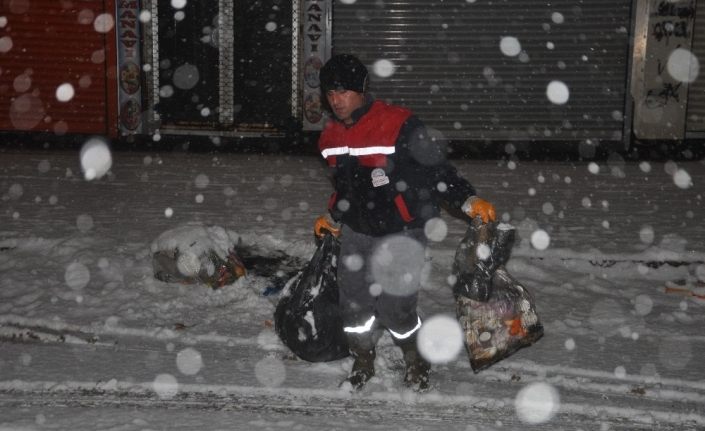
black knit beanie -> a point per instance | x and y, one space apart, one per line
343 71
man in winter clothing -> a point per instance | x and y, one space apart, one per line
389 180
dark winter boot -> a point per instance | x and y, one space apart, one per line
417 368
362 349
363 368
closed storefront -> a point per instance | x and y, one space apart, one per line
473 70
497 70
55 63
220 67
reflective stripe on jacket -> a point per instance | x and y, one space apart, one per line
388 174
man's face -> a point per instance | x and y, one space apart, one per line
344 103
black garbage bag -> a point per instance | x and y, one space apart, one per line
485 247
307 317
497 314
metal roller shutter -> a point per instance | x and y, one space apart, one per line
696 90
451 71
44 44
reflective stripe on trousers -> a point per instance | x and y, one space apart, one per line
407 334
367 327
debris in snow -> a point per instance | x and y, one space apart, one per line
193 253
685 289
110 385
197 254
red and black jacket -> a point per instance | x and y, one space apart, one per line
388 174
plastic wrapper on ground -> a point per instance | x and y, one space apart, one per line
196 254
307 317
213 270
496 313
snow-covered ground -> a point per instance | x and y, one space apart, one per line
90 340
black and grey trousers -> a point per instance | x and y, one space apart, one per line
379 280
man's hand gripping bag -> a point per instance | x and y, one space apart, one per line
307 317
495 311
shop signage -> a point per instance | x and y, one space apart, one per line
317 48
129 70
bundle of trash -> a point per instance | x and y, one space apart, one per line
196 254
307 317
497 314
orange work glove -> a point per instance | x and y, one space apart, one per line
324 223
475 207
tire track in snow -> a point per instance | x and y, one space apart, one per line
579 386
33 329
574 383
403 405
562 370
14 328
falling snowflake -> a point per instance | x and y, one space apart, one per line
64 92
440 339
557 92
537 403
